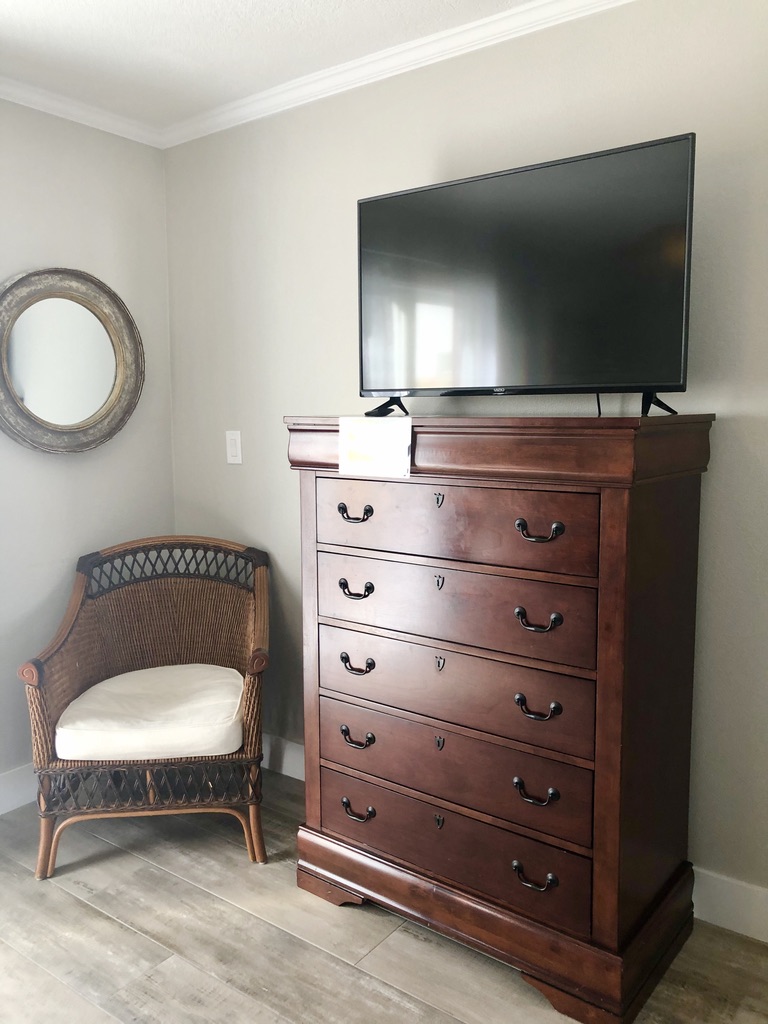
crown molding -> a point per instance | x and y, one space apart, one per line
530 17
82 113
519 21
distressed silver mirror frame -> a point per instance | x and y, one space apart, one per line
24 426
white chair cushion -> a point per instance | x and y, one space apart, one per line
155 713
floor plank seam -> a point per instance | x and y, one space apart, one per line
373 948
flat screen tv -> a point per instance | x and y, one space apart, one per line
569 276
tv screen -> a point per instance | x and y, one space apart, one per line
569 276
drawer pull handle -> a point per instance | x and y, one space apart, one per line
555 620
369 740
347 805
344 513
367 591
557 530
552 794
370 665
551 883
555 708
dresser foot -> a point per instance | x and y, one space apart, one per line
326 890
574 1007
588 1013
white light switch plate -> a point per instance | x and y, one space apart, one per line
234 447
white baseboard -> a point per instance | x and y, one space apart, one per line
17 787
283 756
729 903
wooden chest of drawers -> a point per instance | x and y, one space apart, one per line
498 671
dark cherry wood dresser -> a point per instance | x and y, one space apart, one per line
498 674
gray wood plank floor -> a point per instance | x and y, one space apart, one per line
165 920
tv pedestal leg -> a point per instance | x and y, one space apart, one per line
651 398
387 407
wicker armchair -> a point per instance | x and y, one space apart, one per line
151 605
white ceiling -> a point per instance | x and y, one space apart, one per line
165 71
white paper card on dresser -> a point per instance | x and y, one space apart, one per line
375 447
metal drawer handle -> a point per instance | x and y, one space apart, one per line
552 794
343 512
555 708
369 740
370 665
367 591
555 620
557 530
347 805
551 883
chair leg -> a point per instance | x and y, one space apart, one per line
257 836
44 868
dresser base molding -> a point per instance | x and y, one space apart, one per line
585 982
330 891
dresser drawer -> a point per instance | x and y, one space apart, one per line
528 790
479 693
465 607
473 524
487 859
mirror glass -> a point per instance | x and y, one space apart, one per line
71 361
61 361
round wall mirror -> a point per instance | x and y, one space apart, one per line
71 358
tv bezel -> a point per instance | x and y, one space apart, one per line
647 387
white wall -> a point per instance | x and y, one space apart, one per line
264 312
77 198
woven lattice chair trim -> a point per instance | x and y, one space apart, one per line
107 572
130 787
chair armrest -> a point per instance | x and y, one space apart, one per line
252 703
72 662
258 662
